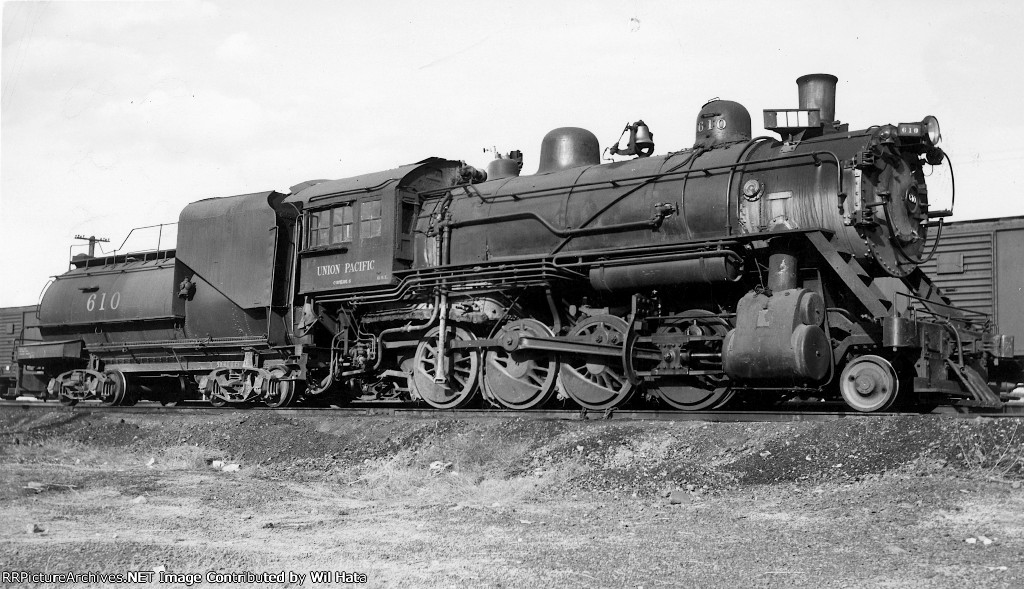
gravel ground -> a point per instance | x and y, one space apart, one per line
919 501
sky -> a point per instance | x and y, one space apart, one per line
115 115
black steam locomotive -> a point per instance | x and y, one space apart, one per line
739 270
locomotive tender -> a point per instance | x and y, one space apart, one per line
742 269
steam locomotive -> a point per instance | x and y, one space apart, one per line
741 270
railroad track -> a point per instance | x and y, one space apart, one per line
405 410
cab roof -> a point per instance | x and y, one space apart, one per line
366 183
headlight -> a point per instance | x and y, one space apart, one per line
931 125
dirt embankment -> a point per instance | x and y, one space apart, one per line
910 501
634 456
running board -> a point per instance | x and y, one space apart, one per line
975 385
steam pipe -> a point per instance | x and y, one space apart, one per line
404 329
782 268
439 369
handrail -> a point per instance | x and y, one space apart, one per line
653 223
650 179
962 315
117 250
159 235
938 233
363 189
732 173
642 180
647 179
931 302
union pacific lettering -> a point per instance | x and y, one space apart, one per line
346 268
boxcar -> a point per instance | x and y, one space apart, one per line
979 265
18 325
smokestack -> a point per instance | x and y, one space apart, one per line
818 91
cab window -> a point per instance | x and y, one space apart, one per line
369 219
330 226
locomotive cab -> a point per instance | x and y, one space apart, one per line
357 232
344 244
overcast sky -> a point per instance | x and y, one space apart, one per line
117 114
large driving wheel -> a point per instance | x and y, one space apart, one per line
690 393
461 367
869 383
694 393
522 379
597 382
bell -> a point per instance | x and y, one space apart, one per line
639 141
644 137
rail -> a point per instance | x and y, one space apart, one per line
410 411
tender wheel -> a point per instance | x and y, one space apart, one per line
177 390
7 394
114 388
522 379
281 393
214 399
869 383
461 369
234 386
66 400
597 382
694 393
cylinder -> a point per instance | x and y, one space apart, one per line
818 91
778 339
